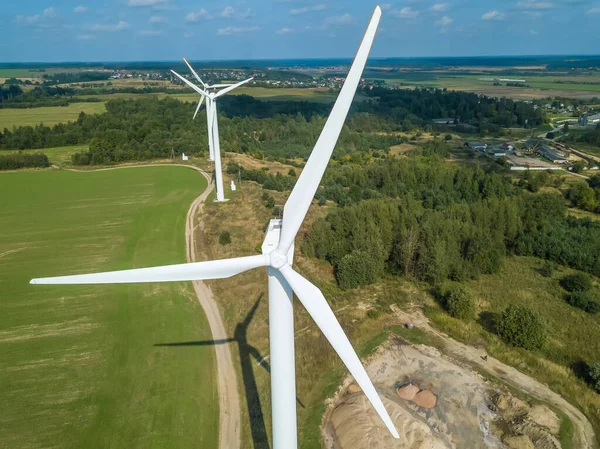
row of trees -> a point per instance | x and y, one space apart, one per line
15 161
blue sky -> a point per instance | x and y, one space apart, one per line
118 30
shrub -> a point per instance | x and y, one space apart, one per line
356 268
594 376
522 327
459 303
547 269
225 238
448 137
578 282
584 301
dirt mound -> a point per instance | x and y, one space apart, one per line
425 399
357 426
519 442
408 392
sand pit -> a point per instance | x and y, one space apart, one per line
435 403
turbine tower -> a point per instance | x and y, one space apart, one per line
214 145
283 280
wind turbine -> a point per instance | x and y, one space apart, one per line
283 280
212 121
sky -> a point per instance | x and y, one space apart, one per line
143 30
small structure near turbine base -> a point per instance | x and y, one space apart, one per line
184 157
233 187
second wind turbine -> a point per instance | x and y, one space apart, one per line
214 144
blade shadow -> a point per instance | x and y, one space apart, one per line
247 353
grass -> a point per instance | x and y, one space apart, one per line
59 156
572 337
79 367
49 116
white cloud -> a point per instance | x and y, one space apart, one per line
106 27
188 34
282 31
407 13
236 31
80 9
439 7
592 11
150 32
228 11
197 16
29 20
339 20
319 7
298 11
533 32
50 12
386 6
534 4
85 37
493 15
444 21
157 19
145 2
246 14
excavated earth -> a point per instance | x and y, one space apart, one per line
435 403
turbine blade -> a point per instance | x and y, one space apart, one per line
304 191
198 107
189 83
214 269
231 87
316 305
194 72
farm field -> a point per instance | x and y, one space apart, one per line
79 364
49 116
58 155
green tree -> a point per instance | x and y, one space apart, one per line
522 327
459 303
355 269
225 238
594 375
547 269
584 301
578 282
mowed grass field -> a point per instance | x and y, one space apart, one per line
49 116
59 156
79 365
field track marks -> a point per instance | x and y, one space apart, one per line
229 400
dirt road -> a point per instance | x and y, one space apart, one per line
229 400
584 437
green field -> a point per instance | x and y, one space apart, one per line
48 116
79 367
58 155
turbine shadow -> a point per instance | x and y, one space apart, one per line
247 353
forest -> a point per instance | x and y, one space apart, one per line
423 218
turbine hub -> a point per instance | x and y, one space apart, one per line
277 259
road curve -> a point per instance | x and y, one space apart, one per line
229 400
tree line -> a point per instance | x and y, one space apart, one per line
423 218
15 161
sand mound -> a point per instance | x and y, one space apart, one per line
425 399
519 442
408 392
357 426
353 388
545 417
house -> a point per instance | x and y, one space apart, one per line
586 120
445 121
554 154
477 146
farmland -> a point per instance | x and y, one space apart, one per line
80 367
48 115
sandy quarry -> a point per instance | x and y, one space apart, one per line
470 411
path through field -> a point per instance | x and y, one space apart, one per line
229 400
584 437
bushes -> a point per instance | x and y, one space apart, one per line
594 376
578 282
547 269
16 161
522 327
584 301
225 238
357 268
458 302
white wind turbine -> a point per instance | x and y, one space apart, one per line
212 121
283 280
